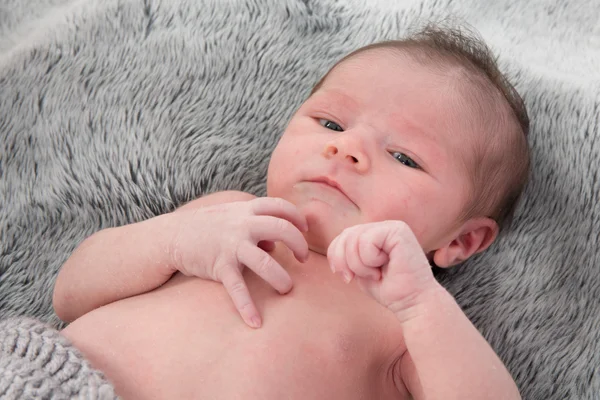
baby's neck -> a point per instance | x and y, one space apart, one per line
316 258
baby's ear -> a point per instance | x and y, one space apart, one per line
474 236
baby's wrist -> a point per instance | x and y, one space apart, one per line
420 303
158 235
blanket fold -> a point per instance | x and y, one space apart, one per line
36 362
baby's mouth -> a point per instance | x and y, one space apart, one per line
330 186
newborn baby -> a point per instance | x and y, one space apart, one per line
406 154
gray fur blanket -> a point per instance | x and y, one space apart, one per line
113 111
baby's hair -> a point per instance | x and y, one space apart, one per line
501 155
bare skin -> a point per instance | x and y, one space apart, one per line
325 339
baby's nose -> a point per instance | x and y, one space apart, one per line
348 151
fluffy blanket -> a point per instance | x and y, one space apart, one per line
113 111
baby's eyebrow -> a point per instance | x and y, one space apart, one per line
401 122
335 101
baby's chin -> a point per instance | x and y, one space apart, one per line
324 225
326 212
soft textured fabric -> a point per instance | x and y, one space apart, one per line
113 111
36 362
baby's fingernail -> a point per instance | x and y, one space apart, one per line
255 322
347 277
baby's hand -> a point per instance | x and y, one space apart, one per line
386 259
217 242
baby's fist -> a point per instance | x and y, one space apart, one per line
387 261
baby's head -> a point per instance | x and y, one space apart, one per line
424 130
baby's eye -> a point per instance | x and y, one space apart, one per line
330 125
406 160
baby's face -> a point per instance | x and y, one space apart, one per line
392 136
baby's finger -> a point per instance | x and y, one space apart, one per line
354 260
280 208
265 267
370 252
338 257
331 253
234 284
278 229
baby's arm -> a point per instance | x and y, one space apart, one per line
446 357
117 263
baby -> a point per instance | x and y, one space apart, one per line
406 154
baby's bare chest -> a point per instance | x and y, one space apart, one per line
186 340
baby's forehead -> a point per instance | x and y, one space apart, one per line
443 69
447 90
471 98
